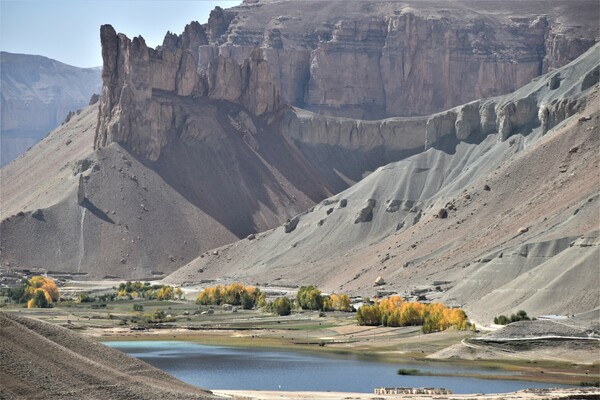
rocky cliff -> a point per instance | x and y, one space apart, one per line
366 60
132 73
355 59
387 58
37 94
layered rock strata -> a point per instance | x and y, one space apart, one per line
380 59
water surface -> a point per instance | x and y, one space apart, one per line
239 368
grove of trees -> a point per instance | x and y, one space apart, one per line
394 312
311 298
235 294
37 291
147 291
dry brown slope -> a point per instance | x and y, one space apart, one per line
41 361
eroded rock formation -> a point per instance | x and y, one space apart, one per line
379 59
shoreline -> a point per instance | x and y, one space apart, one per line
529 394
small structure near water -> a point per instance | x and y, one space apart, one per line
384 390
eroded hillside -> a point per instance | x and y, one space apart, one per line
202 141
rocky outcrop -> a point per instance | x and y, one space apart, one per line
366 213
133 72
521 112
291 224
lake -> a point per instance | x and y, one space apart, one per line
239 368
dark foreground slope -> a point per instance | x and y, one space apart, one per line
43 361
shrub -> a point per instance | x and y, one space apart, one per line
158 316
521 315
138 307
84 298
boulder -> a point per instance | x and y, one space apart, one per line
366 213
291 224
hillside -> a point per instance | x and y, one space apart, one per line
37 95
199 142
41 361
519 207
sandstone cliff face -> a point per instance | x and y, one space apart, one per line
360 60
37 95
543 105
133 72
380 59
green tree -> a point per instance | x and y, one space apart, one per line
39 300
280 306
309 298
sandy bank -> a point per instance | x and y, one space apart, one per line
530 394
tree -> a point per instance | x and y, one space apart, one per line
38 286
309 298
179 293
369 315
280 306
39 299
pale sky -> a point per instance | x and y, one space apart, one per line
69 30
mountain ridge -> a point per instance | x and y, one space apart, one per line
37 95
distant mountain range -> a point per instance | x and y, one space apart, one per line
37 94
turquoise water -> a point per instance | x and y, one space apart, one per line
235 368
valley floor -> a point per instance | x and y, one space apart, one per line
558 361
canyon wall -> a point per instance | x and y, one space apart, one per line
373 60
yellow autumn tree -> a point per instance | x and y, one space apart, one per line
394 311
336 302
235 294
41 292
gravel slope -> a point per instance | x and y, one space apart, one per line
42 361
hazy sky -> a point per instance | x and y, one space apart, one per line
69 30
